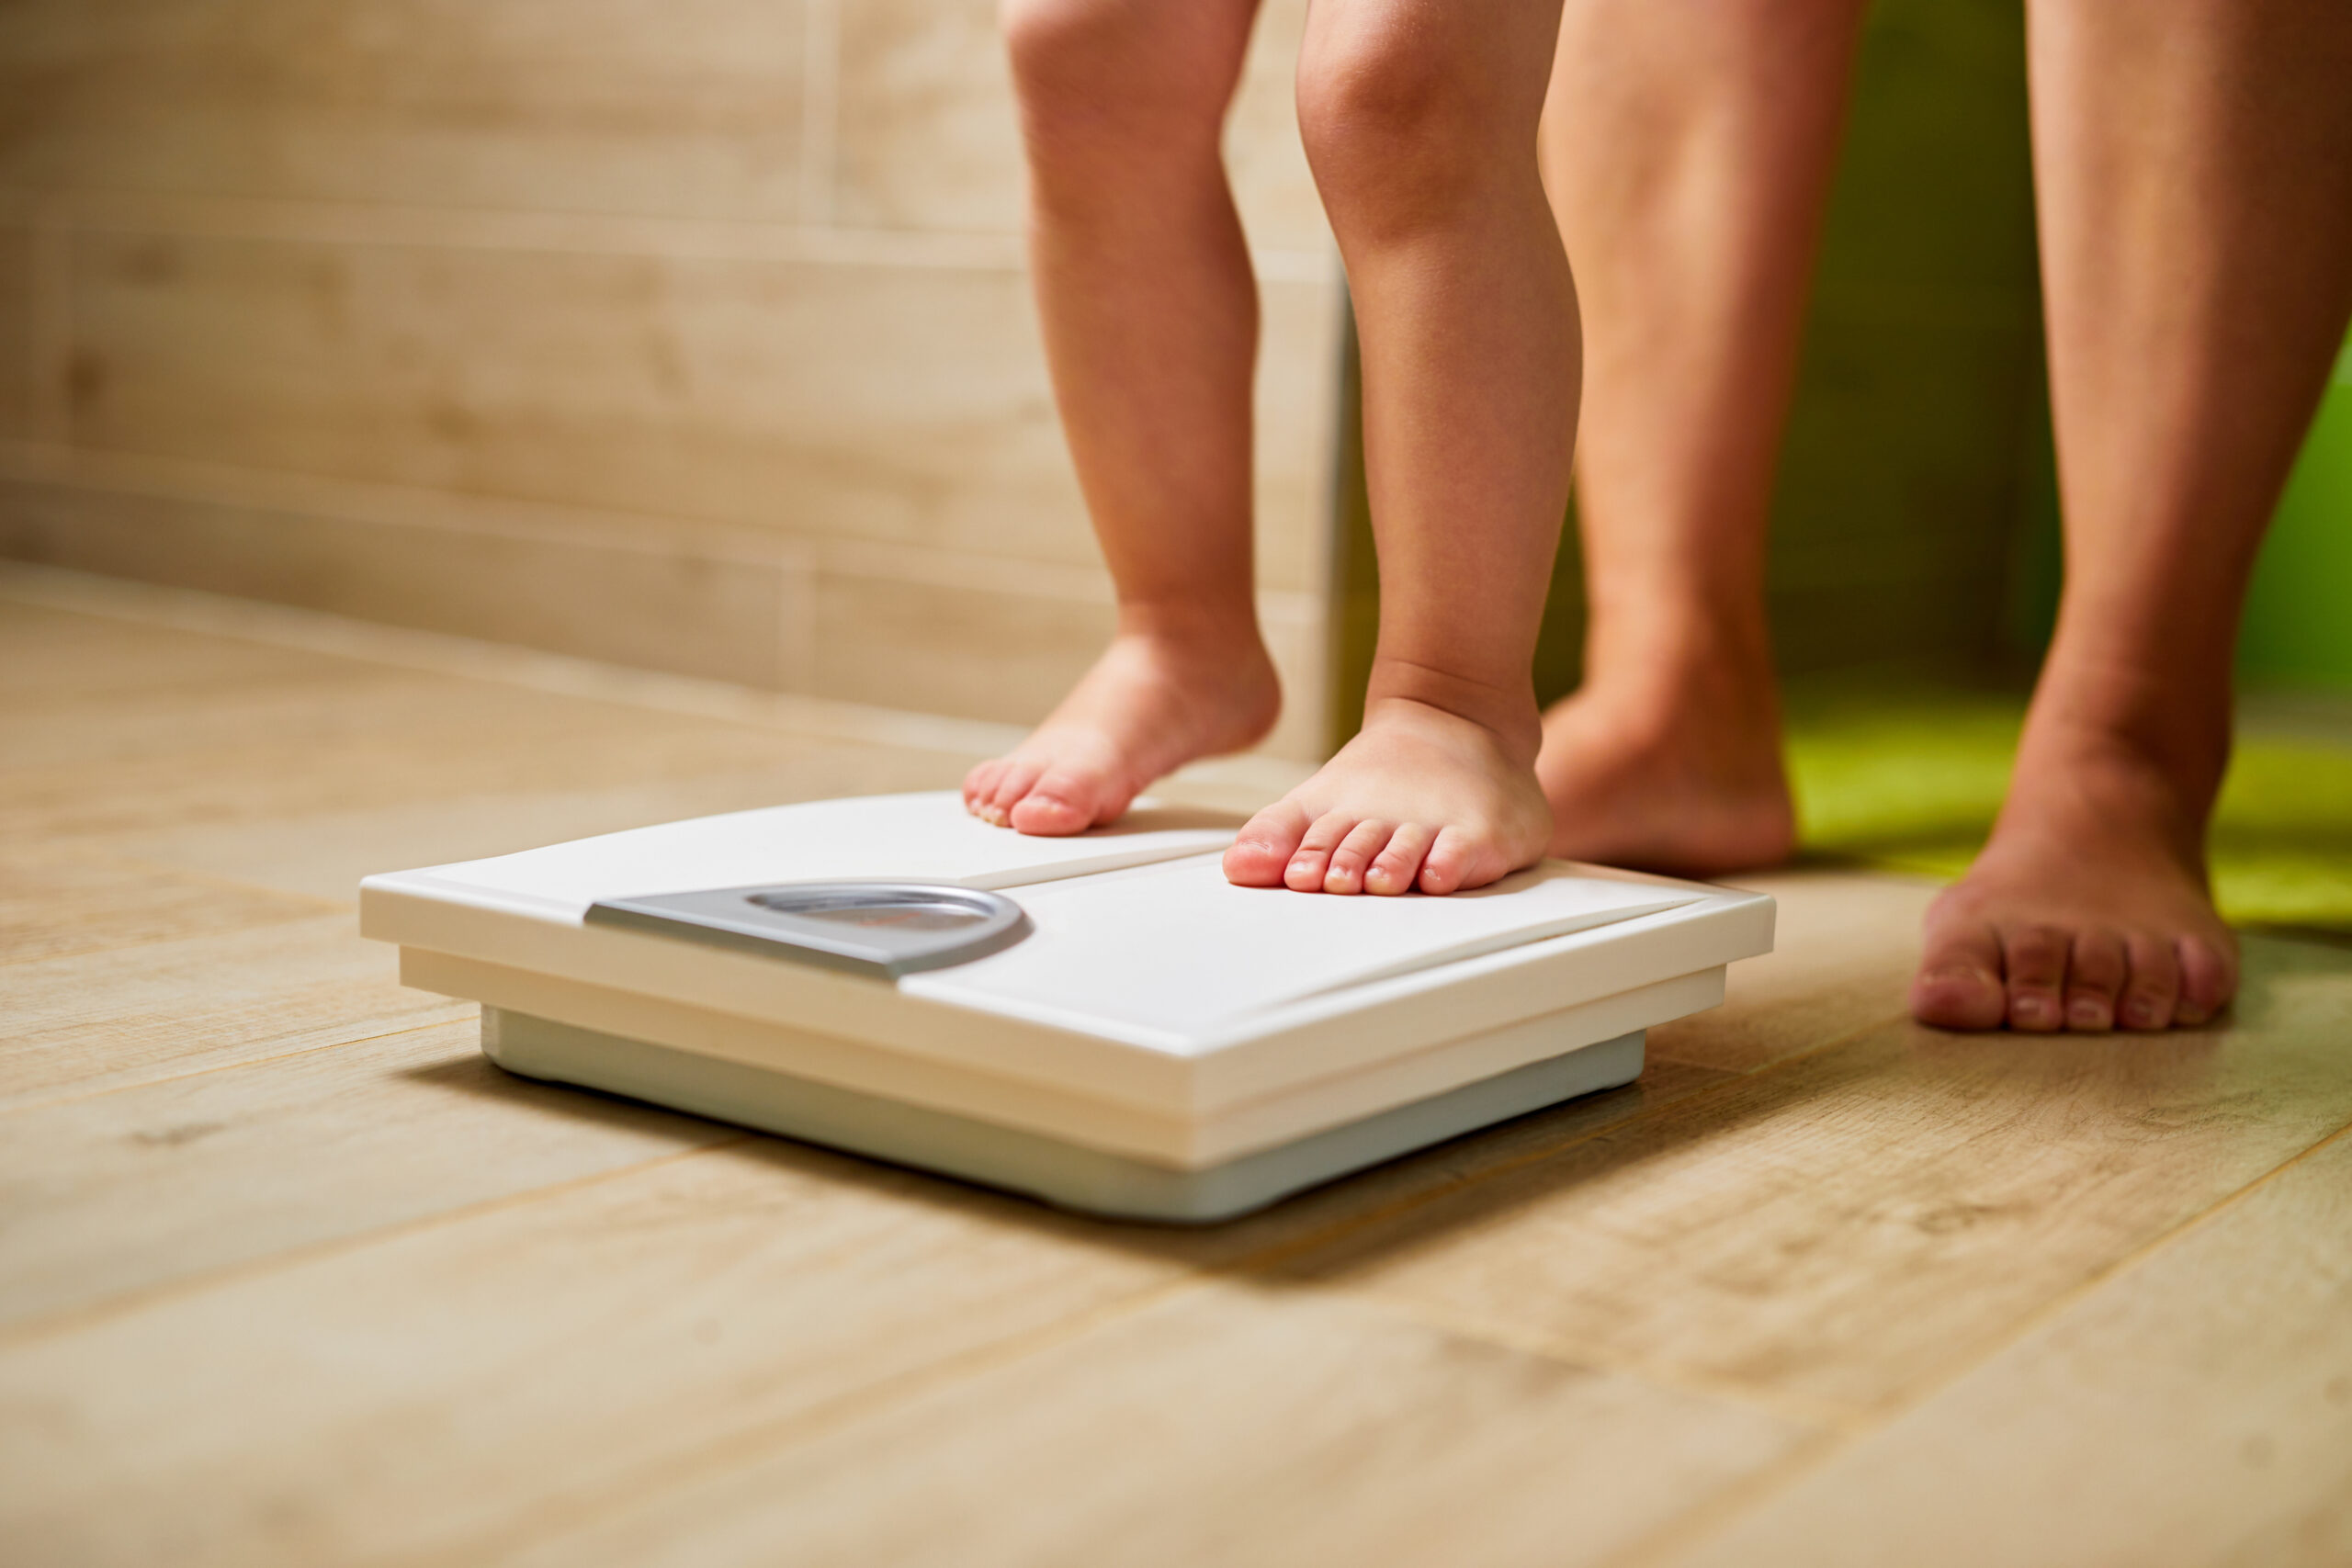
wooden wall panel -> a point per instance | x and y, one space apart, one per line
723 290
893 403
688 107
660 608
16 334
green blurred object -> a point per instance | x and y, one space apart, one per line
1911 782
2298 617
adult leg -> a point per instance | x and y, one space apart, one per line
1150 320
1420 118
1688 145
2194 173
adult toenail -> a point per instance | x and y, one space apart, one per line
2143 1012
2084 1012
2033 1008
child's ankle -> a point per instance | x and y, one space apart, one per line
1510 715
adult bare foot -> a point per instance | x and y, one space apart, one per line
1675 773
2088 909
1153 702
1421 797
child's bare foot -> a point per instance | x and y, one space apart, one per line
1419 799
1154 702
2087 910
1670 774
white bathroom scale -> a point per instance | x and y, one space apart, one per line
1102 1022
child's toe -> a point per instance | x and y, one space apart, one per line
1062 802
1312 860
1399 863
1262 849
1452 862
1019 777
980 784
1354 855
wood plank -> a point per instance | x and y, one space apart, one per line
675 606
1225 1426
91 1021
1843 945
895 404
53 660
446 1388
128 1192
55 905
2195 1408
1836 1233
548 104
330 743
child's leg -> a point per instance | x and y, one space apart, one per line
2194 174
1150 319
1688 146
1420 118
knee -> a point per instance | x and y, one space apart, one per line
1396 122
1102 79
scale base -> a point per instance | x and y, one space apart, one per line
1065 1175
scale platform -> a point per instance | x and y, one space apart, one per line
1102 1022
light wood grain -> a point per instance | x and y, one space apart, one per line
665 605
1837 1233
125 1192
325 741
465 1383
1844 944
1225 1426
57 904
53 660
691 108
2197 1408
896 404
901 404
91 1021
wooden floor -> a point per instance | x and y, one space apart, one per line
289 1275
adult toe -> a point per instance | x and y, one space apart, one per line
2097 967
2152 995
2208 978
1959 982
2033 958
1262 851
